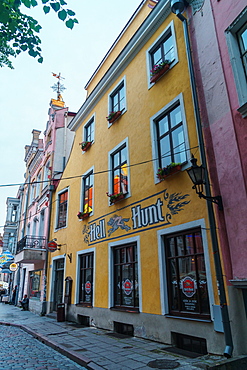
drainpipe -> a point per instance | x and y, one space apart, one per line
177 8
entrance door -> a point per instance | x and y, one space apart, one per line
58 283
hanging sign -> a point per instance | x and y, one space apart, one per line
13 267
52 246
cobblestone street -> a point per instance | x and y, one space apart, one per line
21 350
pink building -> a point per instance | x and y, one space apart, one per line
45 159
218 36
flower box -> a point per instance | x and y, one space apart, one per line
159 70
159 73
115 197
85 145
113 116
169 170
82 215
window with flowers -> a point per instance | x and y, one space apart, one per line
119 180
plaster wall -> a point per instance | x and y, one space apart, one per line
135 128
215 81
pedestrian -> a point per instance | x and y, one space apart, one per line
24 303
14 292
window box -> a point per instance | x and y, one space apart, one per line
113 116
115 197
82 215
159 70
169 170
85 145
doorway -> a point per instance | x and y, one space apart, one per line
58 282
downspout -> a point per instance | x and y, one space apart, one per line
217 262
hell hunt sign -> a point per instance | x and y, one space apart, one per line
140 218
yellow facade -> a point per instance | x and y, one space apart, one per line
171 205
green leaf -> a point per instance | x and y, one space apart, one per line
32 53
75 20
34 3
45 1
55 6
62 2
27 3
70 12
46 9
40 60
23 47
69 23
62 15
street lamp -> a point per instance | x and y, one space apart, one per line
197 176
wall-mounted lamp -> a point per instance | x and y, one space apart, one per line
197 176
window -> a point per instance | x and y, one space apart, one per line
117 98
46 174
87 191
186 274
236 37
170 137
163 49
35 284
242 39
62 209
86 279
89 130
39 184
119 170
126 291
33 192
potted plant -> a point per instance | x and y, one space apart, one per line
113 116
169 170
85 145
115 197
158 70
83 215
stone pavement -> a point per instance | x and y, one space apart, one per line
97 349
19 350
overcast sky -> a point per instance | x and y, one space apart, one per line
25 92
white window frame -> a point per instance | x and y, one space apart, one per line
167 108
122 81
46 173
162 264
78 254
57 210
171 28
82 190
111 247
236 62
91 120
110 190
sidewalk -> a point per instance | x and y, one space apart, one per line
100 349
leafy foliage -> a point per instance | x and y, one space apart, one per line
19 31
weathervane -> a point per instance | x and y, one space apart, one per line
58 87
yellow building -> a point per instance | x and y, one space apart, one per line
137 258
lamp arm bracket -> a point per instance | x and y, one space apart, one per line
217 200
